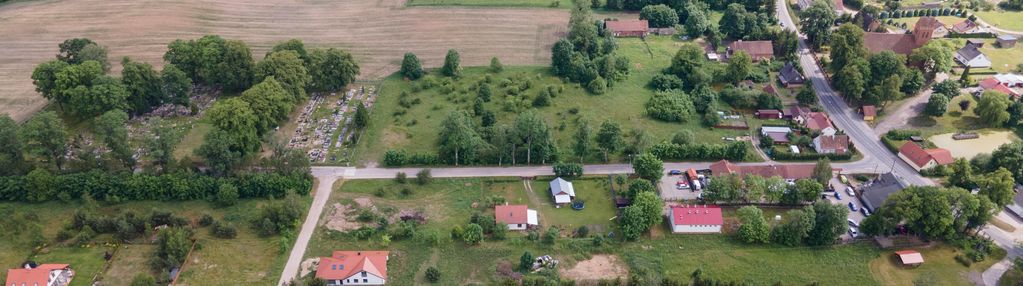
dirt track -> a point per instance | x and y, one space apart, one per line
376 32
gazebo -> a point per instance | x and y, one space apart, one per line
910 257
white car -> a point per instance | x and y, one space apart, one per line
853 231
850 191
853 223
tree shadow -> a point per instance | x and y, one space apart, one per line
922 121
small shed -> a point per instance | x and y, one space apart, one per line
562 191
769 114
910 257
1006 41
869 112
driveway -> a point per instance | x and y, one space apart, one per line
899 118
840 188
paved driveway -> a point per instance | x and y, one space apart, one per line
840 188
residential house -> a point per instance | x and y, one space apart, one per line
696 219
993 83
789 76
797 113
769 114
804 4
789 172
819 121
628 28
758 50
920 158
870 23
1006 41
1016 207
41 275
1009 79
517 217
869 113
902 43
970 56
831 144
354 268
873 194
967 27
562 191
780 135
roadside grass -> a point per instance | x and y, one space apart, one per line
417 129
1008 20
214 262
939 268
955 119
596 216
1013 277
493 3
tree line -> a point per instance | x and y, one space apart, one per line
587 56
818 224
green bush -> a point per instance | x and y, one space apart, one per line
432 274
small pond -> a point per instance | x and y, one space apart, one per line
988 142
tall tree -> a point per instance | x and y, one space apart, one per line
270 103
160 145
998 186
936 105
411 68
846 46
235 117
534 133
361 118
829 224
961 174
235 66
933 57
583 143
660 16
697 24
44 77
993 108
176 85
795 228
11 156
458 137
288 69
452 64
753 227
648 166
144 85
219 153
294 45
44 135
561 57
332 69
609 138
816 22
740 65
71 48
822 171
94 52
110 129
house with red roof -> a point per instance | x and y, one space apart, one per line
41 275
769 113
996 85
696 219
354 268
869 112
831 144
517 217
758 50
789 172
628 28
920 158
902 43
819 121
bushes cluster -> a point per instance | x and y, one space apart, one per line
121 187
810 156
125 226
671 105
394 158
278 216
734 151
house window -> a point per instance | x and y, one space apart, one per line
365 280
520 225
364 274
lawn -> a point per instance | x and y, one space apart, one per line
191 141
594 191
493 3
939 268
1003 60
414 129
1002 19
214 262
955 119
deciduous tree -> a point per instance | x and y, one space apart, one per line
11 156
333 69
411 68
993 108
609 138
111 129
44 135
816 22
829 223
270 103
753 227
648 166
288 70
936 105
144 85
660 16
451 64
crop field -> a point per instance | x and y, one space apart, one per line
377 33
501 3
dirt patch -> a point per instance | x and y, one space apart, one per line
308 266
345 217
599 267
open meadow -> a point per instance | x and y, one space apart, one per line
377 33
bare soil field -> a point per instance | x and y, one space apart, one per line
376 32
601 266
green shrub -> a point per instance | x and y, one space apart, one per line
432 274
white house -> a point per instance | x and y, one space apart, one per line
354 268
970 56
696 219
45 275
562 191
833 144
517 217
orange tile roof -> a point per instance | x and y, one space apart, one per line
839 143
344 264
817 121
35 276
787 171
627 25
919 156
869 110
941 156
755 49
511 214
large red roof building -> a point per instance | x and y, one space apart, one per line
902 43
628 28
42 275
354 268
696 219
920 158
790 172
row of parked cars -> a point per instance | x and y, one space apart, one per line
689 180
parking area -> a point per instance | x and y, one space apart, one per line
844 198
672 190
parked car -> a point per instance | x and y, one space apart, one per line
843 179
674 172
852 206
682 185
865 211
853 223
850 191
853 231
838 196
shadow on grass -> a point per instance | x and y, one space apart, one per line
922 121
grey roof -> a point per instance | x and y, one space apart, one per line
969 52
1007 38
803 4
789 74
875 194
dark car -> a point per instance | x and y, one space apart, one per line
853 207
675 172
838 196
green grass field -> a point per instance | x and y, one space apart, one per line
417 129
594 191
493 3
1002 19
939 268
214 263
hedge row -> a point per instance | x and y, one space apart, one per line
810 156
136 187
397 158
922 13
734 151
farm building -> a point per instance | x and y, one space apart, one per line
789 76
562 191
696 219
996 85
1009 79
45 274
780 135
920 158
517 217
902 43
1006 41
628 28
769 113
831 144
758 50
354 268
789 172
869 112
876 192
970 56
796 113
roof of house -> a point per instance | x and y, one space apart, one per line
787 171
628 25
753 48
1007 37
511 214
910 256
344 264
869 22
969 52
778 137
769 88
834 142
1009 79
898 43
964 26
39 275
817 121
928 23
769 111
992 83
803 4
560 187
797 110
697 215
789 73
774 129
877 191
920 156
869 110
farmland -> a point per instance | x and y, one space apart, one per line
375 32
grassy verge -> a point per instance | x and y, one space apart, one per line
415 128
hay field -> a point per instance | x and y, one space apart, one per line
376 32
